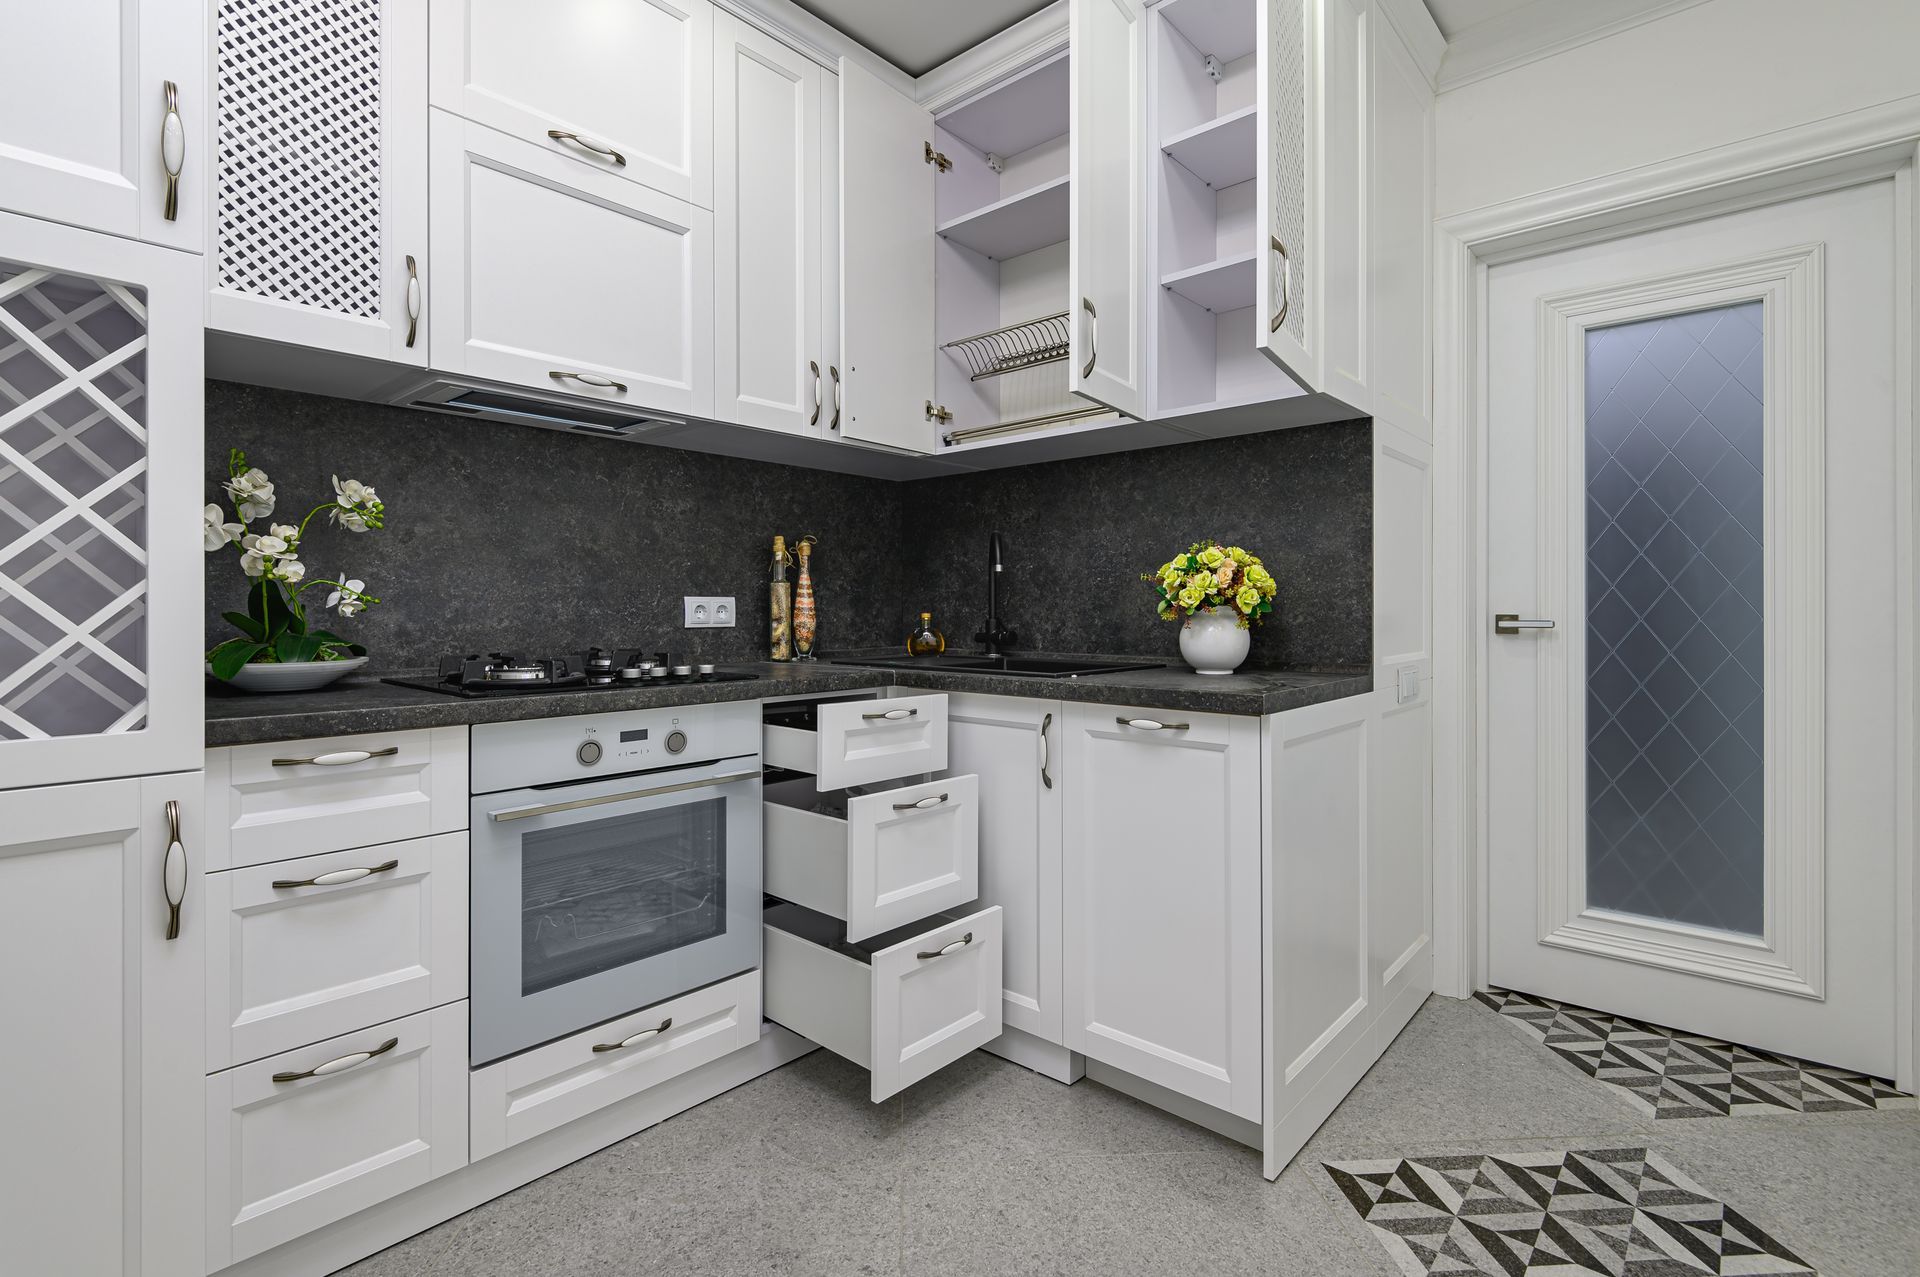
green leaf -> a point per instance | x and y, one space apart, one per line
227 659
291 647
247 625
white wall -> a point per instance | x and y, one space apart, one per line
1704 77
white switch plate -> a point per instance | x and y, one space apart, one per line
1409 688
709 611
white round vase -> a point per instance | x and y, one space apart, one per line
1213 642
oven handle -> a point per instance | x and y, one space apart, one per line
544 809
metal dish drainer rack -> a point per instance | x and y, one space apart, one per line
1017 348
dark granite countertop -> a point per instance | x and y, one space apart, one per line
365 704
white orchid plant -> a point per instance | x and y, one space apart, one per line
275 627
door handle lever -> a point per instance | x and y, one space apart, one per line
1512 623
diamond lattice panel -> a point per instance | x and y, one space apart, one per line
1675 517
298 205
73 502
1290 160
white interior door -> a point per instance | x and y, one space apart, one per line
1108 202
1691 785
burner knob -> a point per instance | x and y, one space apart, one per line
676 741
705 667
589 752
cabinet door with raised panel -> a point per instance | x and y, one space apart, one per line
1108 197
97 106
104 1143
317 224
769 359
624 89
1161 876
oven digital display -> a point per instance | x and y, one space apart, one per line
627 738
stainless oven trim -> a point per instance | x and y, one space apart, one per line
545 809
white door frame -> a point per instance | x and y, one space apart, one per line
1878 142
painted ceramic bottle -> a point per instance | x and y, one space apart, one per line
806 622
780 606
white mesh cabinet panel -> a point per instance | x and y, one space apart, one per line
318 212
1284 191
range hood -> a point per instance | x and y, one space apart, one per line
480 402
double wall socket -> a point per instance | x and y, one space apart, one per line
709 612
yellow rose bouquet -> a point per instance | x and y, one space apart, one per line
1210 575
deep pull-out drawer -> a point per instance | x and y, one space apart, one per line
301 950
903 1005
876 860
549 1086
860 742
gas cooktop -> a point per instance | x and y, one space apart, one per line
509 674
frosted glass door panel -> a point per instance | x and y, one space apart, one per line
1675 585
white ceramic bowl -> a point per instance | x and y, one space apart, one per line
293 676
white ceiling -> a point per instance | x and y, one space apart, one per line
918 35
1455 16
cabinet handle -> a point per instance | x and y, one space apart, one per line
1513 623
944 950
1286 285
1046 751
814 364
173 149
925 804
341 759
589 379
834 372
334 878
413 300
561 135
636 1039
173 871
892 715
340 1065
1093 337
1151 725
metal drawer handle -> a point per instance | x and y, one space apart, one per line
1151 725
1046 751
561 135
892 715
1093 337
335 877
944 950
925 804
344 758
834 372
413 300
814 364
173 871
173 149
636 1039
588 379
547 809
1286 284
340 1065
1510 623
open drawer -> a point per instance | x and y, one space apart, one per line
876 860
903 1005
858 742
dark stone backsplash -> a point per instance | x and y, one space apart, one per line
536 540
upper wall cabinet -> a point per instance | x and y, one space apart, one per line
1107 197
317 222
97 108
623 88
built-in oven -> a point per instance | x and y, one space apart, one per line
615 863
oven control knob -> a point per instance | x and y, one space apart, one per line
588 753
676 741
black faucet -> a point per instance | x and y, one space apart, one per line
994 635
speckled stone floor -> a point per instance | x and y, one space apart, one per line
987 1169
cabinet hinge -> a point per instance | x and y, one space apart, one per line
938 413
937 159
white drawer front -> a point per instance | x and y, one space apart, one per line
296 798
287 1157
864 742
549 1086
382 934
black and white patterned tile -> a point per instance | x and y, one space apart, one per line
1625 1212
1667 1073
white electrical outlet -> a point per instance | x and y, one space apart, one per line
709 611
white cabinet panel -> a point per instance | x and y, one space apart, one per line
558 277
317 137
1161 870
859 742
86 136
1346 39
1108 199
104 1145
629 86
1400 253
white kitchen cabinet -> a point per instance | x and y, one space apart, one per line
624 90
105 568
1011 744
104 1145
1161 882
1108 199
770 366
316 138
860 741
102 112
559 277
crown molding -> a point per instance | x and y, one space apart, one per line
1026 43
1419 32
1541 30
811 37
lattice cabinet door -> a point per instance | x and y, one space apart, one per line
317 217
101 460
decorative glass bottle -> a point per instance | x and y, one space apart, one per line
780 606
925 640
806 623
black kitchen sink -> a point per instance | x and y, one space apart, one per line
1032 666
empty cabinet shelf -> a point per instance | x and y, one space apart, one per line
1226 284
1017 224
1222 152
